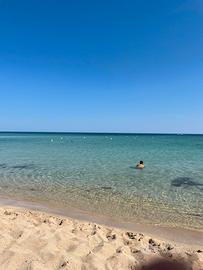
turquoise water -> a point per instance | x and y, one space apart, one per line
95 173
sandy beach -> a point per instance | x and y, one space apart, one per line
36 240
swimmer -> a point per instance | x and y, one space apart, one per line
140 165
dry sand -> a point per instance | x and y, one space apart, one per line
36 240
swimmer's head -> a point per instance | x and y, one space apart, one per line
141 162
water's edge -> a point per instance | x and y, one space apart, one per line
194 238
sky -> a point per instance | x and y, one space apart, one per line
101 66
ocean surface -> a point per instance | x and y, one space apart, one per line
96 173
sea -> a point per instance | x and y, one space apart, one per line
95 173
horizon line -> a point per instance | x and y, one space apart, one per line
104 132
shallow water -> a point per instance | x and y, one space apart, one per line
95 173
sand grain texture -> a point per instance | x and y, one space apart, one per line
36 240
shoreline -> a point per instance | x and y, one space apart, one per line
179 235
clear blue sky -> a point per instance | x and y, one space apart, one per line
106 65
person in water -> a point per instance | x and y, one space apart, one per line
140 165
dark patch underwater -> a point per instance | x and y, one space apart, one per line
186 182
23 166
